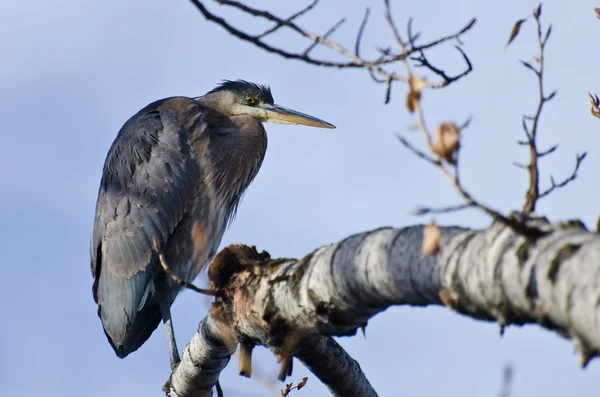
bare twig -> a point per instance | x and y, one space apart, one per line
176 278
373 66
531 123
388 91
361 30
446 80
392 25
465 124
417 152
566 181
548 151
441 210
325 36
290 19
519 165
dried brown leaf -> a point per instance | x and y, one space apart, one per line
302 383
447 142
432 240
416 85
412 99
597 12
598 225
515 30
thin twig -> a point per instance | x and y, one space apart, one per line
441 210
361 30
519 165
388 91
465 124
325 36
548 151
355 61
533 192
417 152
446 80
390 21
566 181
290 19
176 278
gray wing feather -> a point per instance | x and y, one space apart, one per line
147 180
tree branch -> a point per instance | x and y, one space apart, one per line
494 274
342 375
203 359
373 66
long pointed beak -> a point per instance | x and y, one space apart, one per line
279 114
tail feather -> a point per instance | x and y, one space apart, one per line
139 331
128 310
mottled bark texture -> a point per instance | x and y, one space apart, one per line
494 274
203 359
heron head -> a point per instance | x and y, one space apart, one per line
244 98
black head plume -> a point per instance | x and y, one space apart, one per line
242 88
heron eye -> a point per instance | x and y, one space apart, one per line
250 100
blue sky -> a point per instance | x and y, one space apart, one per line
73 72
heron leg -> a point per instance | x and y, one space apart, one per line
164 302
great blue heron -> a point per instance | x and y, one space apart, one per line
177 163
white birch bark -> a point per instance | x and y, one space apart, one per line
493 274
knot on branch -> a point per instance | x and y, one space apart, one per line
237 274
234 259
